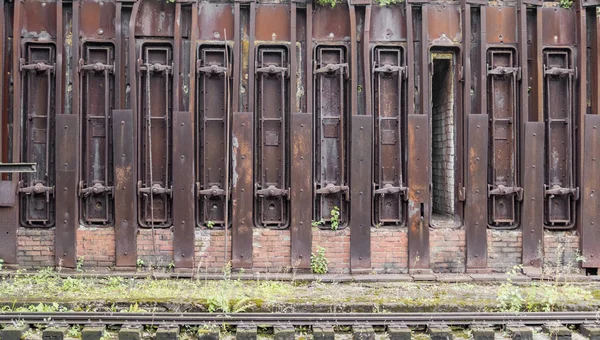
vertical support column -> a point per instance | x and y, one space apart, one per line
590 204
9 213
533 198
242 146
241 234
183 161
476 195
67 151
360 154
418 193
301 160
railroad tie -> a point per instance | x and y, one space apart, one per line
439 331
92 332
482 332
169 332
557 331
591 330
520 332
399 332
56 332
245 332
130 332
13 331
208 332
323 332
363 332
284 332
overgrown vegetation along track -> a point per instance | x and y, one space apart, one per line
303 319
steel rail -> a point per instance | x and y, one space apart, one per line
410 319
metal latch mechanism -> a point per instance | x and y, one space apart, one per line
96 189
155 189
37 189
271 191
331 189
330 68
213 191
502 190
389 189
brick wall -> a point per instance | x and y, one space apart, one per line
97 246
442 122
35 247
271 249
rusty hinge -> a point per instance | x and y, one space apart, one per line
95 67
502 190
557 190
502 71
96 189
389 189
37 67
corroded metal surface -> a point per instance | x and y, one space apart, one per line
125 69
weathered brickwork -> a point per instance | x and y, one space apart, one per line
96 248
35 247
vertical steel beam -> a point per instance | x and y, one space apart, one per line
476 192
301 159
595 64
125 196
419 174
9 214
242 189
533 198
590 215
67 151
183 190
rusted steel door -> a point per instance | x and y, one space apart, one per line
271 207
96 72
331 102
37 72
389 187
154 117
214 86
560 190
503 192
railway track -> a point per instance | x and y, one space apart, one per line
290 326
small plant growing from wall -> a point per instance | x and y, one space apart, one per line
210 224
335 218
1 263
331 3
318 262
139 264
565 3
79 265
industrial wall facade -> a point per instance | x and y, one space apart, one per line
420 136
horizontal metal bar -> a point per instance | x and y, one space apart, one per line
18 167
411 319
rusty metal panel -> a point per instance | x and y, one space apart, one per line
445 24
533 193
96 69
9 222
503 191
125 189
38 95
558 27
242 190
476 191
331 112
214 89
67 151
271 177
590 219
183 190
97 19
154 183
560 191
8 197
360 194
389 24
214 19
389 103
301 189
148 23
501 25
273 22
39 18
331 24
419 177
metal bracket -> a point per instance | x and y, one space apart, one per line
502 190
96 189
17 167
